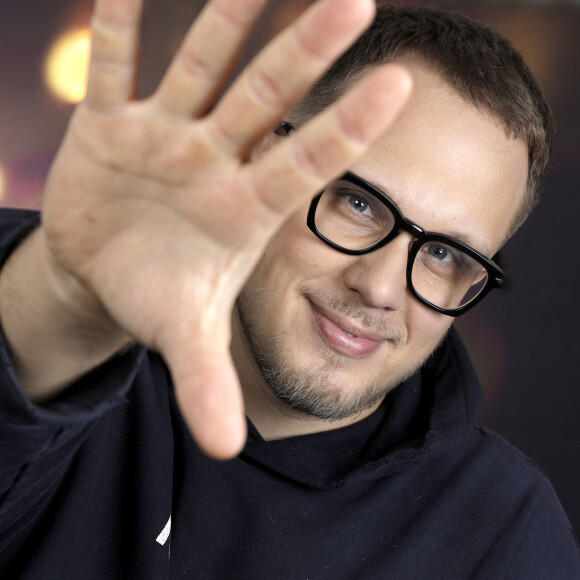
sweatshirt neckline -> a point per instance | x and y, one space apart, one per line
426 415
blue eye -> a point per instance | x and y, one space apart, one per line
358 203
440 253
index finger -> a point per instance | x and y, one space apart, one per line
295 170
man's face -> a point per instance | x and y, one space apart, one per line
333 333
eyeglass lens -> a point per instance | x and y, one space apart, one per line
354 219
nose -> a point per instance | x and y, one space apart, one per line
381 276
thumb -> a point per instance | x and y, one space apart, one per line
208 394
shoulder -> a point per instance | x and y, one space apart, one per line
520 494
503 467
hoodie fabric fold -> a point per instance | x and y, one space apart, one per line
106 482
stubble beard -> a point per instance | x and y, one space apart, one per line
310 392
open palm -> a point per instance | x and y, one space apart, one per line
157 211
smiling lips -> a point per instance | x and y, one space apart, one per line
343 335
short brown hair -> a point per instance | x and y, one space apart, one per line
478 62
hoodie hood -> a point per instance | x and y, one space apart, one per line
427 415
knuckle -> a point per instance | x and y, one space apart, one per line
109 27
237 14
309 47
111 67
181 154
196 66
111 43
270 208
351 129
220 136
311 162
264 89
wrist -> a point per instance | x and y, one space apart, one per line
55 328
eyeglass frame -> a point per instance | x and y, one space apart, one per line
496 276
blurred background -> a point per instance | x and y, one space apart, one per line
523 341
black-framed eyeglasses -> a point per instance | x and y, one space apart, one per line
355 218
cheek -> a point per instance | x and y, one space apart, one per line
426 328
296 254
282 268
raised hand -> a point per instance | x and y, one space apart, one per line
156 211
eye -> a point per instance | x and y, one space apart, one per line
440 253
360 204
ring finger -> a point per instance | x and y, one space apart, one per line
285 70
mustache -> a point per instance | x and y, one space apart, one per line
353 310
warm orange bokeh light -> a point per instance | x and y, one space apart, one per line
67 66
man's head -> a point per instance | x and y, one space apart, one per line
480 64
331 333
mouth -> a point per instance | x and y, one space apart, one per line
343 335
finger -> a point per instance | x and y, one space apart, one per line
286 69
296 169
207 56
208 392
114 48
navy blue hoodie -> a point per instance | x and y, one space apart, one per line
106 483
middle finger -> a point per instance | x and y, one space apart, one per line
285 70
207 56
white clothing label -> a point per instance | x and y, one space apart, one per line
162 537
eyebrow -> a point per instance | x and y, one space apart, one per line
462 237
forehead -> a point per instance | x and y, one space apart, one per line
450 167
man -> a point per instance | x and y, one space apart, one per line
361 459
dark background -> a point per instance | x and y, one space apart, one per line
524 341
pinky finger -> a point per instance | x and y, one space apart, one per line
114 51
